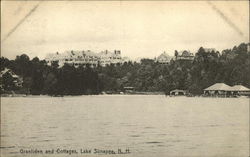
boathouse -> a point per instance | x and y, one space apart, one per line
177 92
218 89
240 90
128 89
223 89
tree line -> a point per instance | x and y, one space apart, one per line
231 66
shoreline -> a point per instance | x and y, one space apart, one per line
135 94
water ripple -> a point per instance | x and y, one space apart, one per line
52 127
153 142
148 127
44 140
134 135
7 147
33 137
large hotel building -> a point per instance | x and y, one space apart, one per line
77 58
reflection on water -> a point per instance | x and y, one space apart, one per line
146 125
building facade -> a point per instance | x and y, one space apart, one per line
208 50
84 58
107 57
164 58
16 80
185 55
178 92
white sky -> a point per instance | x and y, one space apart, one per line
138 29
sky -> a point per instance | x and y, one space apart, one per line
138 28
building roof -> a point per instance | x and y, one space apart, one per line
185 53
9 71
178 90
107 54
76 54
4 71
239 88
164 56
219 86
209 49
129 87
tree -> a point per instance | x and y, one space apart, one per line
176 54
50 84
230 67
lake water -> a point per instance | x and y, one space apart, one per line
146 125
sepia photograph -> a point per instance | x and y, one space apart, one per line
123 78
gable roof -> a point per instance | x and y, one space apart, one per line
219 86
4 71
164 56
185 53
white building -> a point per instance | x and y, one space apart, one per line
17 80
185 55
164 58
75 58
84 58
107 57
208 50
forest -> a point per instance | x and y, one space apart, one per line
230 66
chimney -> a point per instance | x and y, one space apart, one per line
118 52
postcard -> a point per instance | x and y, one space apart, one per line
125 78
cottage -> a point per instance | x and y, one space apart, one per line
17 80
185 55
164 58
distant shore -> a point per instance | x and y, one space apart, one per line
29 95
126 94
